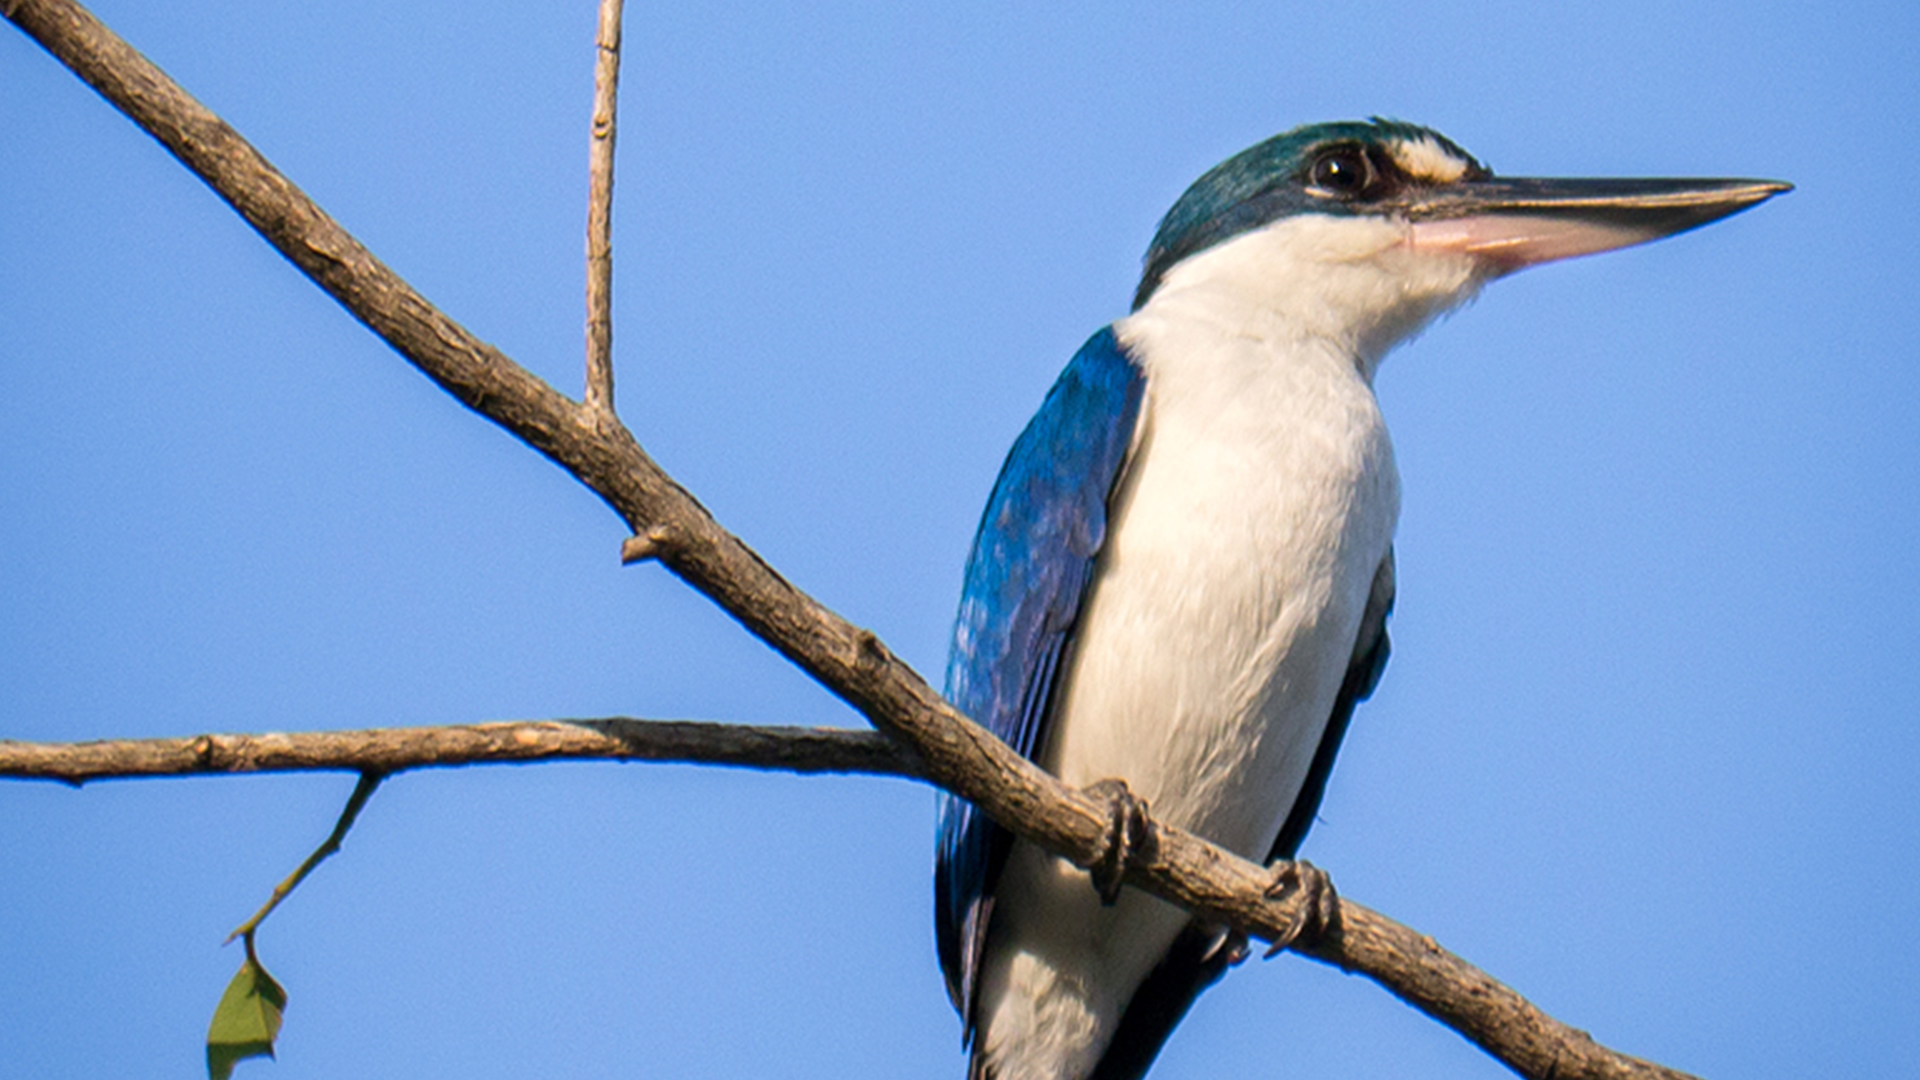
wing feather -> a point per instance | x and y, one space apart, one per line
1026 582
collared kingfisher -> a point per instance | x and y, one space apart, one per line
1182 578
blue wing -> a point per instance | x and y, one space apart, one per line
1026 580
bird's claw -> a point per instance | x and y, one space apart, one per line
1317 908
1129 837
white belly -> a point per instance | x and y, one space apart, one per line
1228 598
1259 503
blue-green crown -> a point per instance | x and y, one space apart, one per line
1270 181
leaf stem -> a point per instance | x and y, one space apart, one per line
362 791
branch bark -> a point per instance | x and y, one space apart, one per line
393 750
606 116
954 753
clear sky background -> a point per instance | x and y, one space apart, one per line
1645 749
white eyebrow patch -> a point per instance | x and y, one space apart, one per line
1425 159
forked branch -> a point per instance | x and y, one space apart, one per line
953 752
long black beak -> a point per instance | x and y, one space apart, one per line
1515 223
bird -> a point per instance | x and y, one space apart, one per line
1180 584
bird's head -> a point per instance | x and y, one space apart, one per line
1366 230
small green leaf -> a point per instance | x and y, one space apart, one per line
246 1021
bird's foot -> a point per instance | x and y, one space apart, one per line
1129 837
1317 908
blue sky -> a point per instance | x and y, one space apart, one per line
1644 749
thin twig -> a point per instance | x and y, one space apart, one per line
606 100
362 791
392 750
955 753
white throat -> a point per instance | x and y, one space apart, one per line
1356 283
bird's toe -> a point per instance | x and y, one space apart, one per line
1129 835
1317 905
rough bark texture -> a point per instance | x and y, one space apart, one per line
591 444
391 750
606 102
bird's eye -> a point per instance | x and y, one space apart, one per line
1342 172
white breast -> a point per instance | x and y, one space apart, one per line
1260 500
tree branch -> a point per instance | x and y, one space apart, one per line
392 750
606 101
955 753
